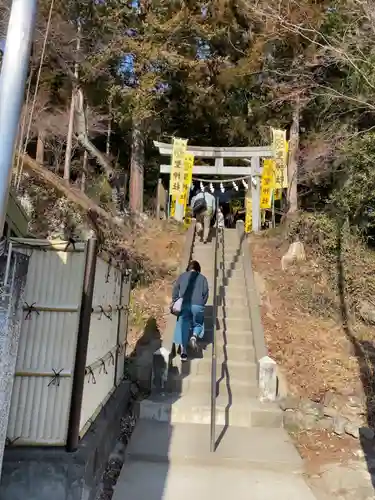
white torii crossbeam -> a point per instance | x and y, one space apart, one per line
165 149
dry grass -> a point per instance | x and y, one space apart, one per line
308 336
303 324
321 447
162 244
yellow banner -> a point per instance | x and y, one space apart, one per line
173 206
187 218
280 153
267 183
249 214
176 184
277 195
188 179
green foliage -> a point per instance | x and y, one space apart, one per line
354 194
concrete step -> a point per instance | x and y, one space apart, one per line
239 338
226 260
168 481
232 351
235 289
235 281
231 266
189 443
232 293
230 339
196 408
231 317
231 313
229 326
234 302
201 384
202 252
240 370
232 250
227 274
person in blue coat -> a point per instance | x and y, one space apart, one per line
192 287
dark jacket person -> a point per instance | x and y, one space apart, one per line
192 287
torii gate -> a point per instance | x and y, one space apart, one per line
250 155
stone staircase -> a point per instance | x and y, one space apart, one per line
172 437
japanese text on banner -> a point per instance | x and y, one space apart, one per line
173 207
277 195
249 214
188 178
267 184
177 167
187 218
280 154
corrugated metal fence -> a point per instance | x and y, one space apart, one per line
106 349
42 389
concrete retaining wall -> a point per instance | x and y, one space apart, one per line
52 473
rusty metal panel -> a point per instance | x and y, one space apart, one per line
41 401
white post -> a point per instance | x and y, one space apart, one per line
267 379
255 192
12 87
179 211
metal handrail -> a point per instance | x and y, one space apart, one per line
214 319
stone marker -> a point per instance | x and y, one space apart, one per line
160 367
267 379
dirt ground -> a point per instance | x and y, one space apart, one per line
306 336
162 244
302 322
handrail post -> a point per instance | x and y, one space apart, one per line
214 347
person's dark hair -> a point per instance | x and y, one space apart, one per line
194 266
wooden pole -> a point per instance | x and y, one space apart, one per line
82 344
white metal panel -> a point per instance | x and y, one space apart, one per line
103 331
39 414
48 342
102 340
39 409
94 394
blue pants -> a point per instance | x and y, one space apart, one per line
190 321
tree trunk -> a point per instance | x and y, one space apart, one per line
84 171
125 186
73 195
83 139
69 138
136 169
40 148
293 160
69 141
